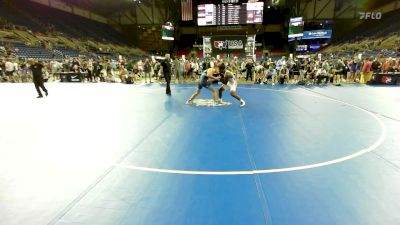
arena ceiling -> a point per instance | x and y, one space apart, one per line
109 7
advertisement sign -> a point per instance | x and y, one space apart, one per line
386 78
296 27
301 48
72 77
228 44
314 47
317 34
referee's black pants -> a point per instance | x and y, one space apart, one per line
39 83
168 80
249 75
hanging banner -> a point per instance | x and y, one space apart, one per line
316 34
250 46
207 47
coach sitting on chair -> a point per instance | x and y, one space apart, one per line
283 74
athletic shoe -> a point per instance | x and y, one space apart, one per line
189 102
47 93
219 101
242 103
40 96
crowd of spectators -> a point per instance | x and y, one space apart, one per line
329 69
286 70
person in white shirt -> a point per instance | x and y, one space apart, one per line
54 69
9 69
271 74
280 63
259 73
194 67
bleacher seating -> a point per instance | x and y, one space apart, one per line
372 37
40 18
25 52
375 28
65 53
36 31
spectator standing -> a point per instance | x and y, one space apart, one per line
187 69
249 70
90 70
194 68
55 66
352 70
340 68
359 65
147 70
96 70
9 69
157 68
176 68
181 69
366 73
376 66
140 67
25 73
123 73
2 68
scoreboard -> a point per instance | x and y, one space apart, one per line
230 14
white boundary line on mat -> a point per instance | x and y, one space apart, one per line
276 170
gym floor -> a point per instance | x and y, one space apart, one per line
94 154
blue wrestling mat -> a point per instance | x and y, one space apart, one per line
116 154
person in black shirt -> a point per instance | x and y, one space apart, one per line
38 80
249 70
376 66
75 65
166 64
